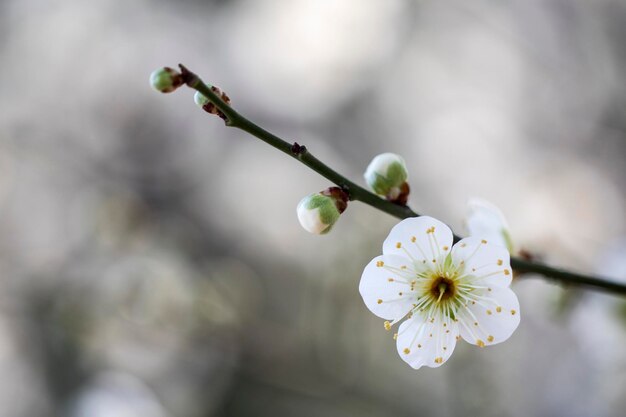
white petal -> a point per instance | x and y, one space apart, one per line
486 221
491 319
385 286
311 220
421 342
489 264
423 239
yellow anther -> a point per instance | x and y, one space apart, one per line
390 279
413 239
500 262
419 346
387 326
380 263
439 360
379 301
400 293
489 312
403 267
499 309
445 348
513 312
430 335
395 336
480 343
445 248
407 351
507 272
490 338
398 245
475 323
483 241
444 325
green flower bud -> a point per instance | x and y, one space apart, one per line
165 80
318 212
387 176
205 104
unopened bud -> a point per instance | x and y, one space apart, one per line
387 176
165 80
318 212
205 104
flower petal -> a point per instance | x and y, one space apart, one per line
385 286
424 342
491 318
423 239
488 264
486 221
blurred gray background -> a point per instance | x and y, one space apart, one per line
151 261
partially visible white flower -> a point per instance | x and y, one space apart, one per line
318 212
442 293
386 175
485 220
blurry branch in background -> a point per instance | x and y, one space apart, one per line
219 104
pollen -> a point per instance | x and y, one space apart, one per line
490 338
439 360
513 312
499 309
380 264
387 326
480 343
483 241
398 245
407 351
507 272
379 301
500 262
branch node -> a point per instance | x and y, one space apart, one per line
297 149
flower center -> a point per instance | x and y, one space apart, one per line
442 288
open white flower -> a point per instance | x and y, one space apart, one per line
443 292
485 220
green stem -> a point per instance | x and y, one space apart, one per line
358 193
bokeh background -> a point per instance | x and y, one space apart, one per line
151 262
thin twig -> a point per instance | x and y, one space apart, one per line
358 193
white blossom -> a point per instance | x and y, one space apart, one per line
487 221
442 292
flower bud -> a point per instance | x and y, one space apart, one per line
386 175
165 80
205 104
318 212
